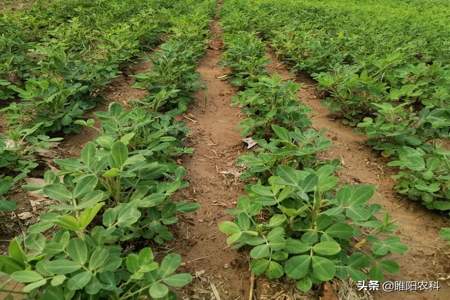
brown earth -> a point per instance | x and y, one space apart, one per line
220 272
428 256
15 4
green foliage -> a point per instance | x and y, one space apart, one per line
115 199
295 219
76 263
396 89
296 148
56 57
131 186
173 77
424 175
74 60
271 101
245 57
6 184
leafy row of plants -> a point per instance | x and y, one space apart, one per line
296 219
56 75
114 201
60 74
395 88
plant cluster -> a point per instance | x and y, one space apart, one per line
56 57
393 87
295 218
115 200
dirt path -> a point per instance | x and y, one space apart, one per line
220 271
417 227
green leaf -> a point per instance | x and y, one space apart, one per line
111 173
127 138
79 281
67 222
109 217
152 200
304 284
88 154
259 266
358 213
229 227
186 207
77 251
376 273
58 192
178 280
119 154
7 205
340 230
280 255
296 246
9 265
98 258
16 252
362 193
158 290
356 274
58 280
62 266
32 286
128 214
146 256
390 266
265 191
391 244
289 176
85 185
35 242
359 260
323 268
6 183
94 286
297 266
132 263
260 251
281 132
169 264
234 238
444 233
276 238
274 270
88 215
310 183
277 220
327 248
26 276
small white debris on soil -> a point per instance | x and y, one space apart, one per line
250 142
25 215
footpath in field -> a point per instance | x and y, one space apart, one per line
417 227
221 273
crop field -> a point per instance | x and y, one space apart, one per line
225 149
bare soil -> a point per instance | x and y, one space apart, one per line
220 272
428 256
15 4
